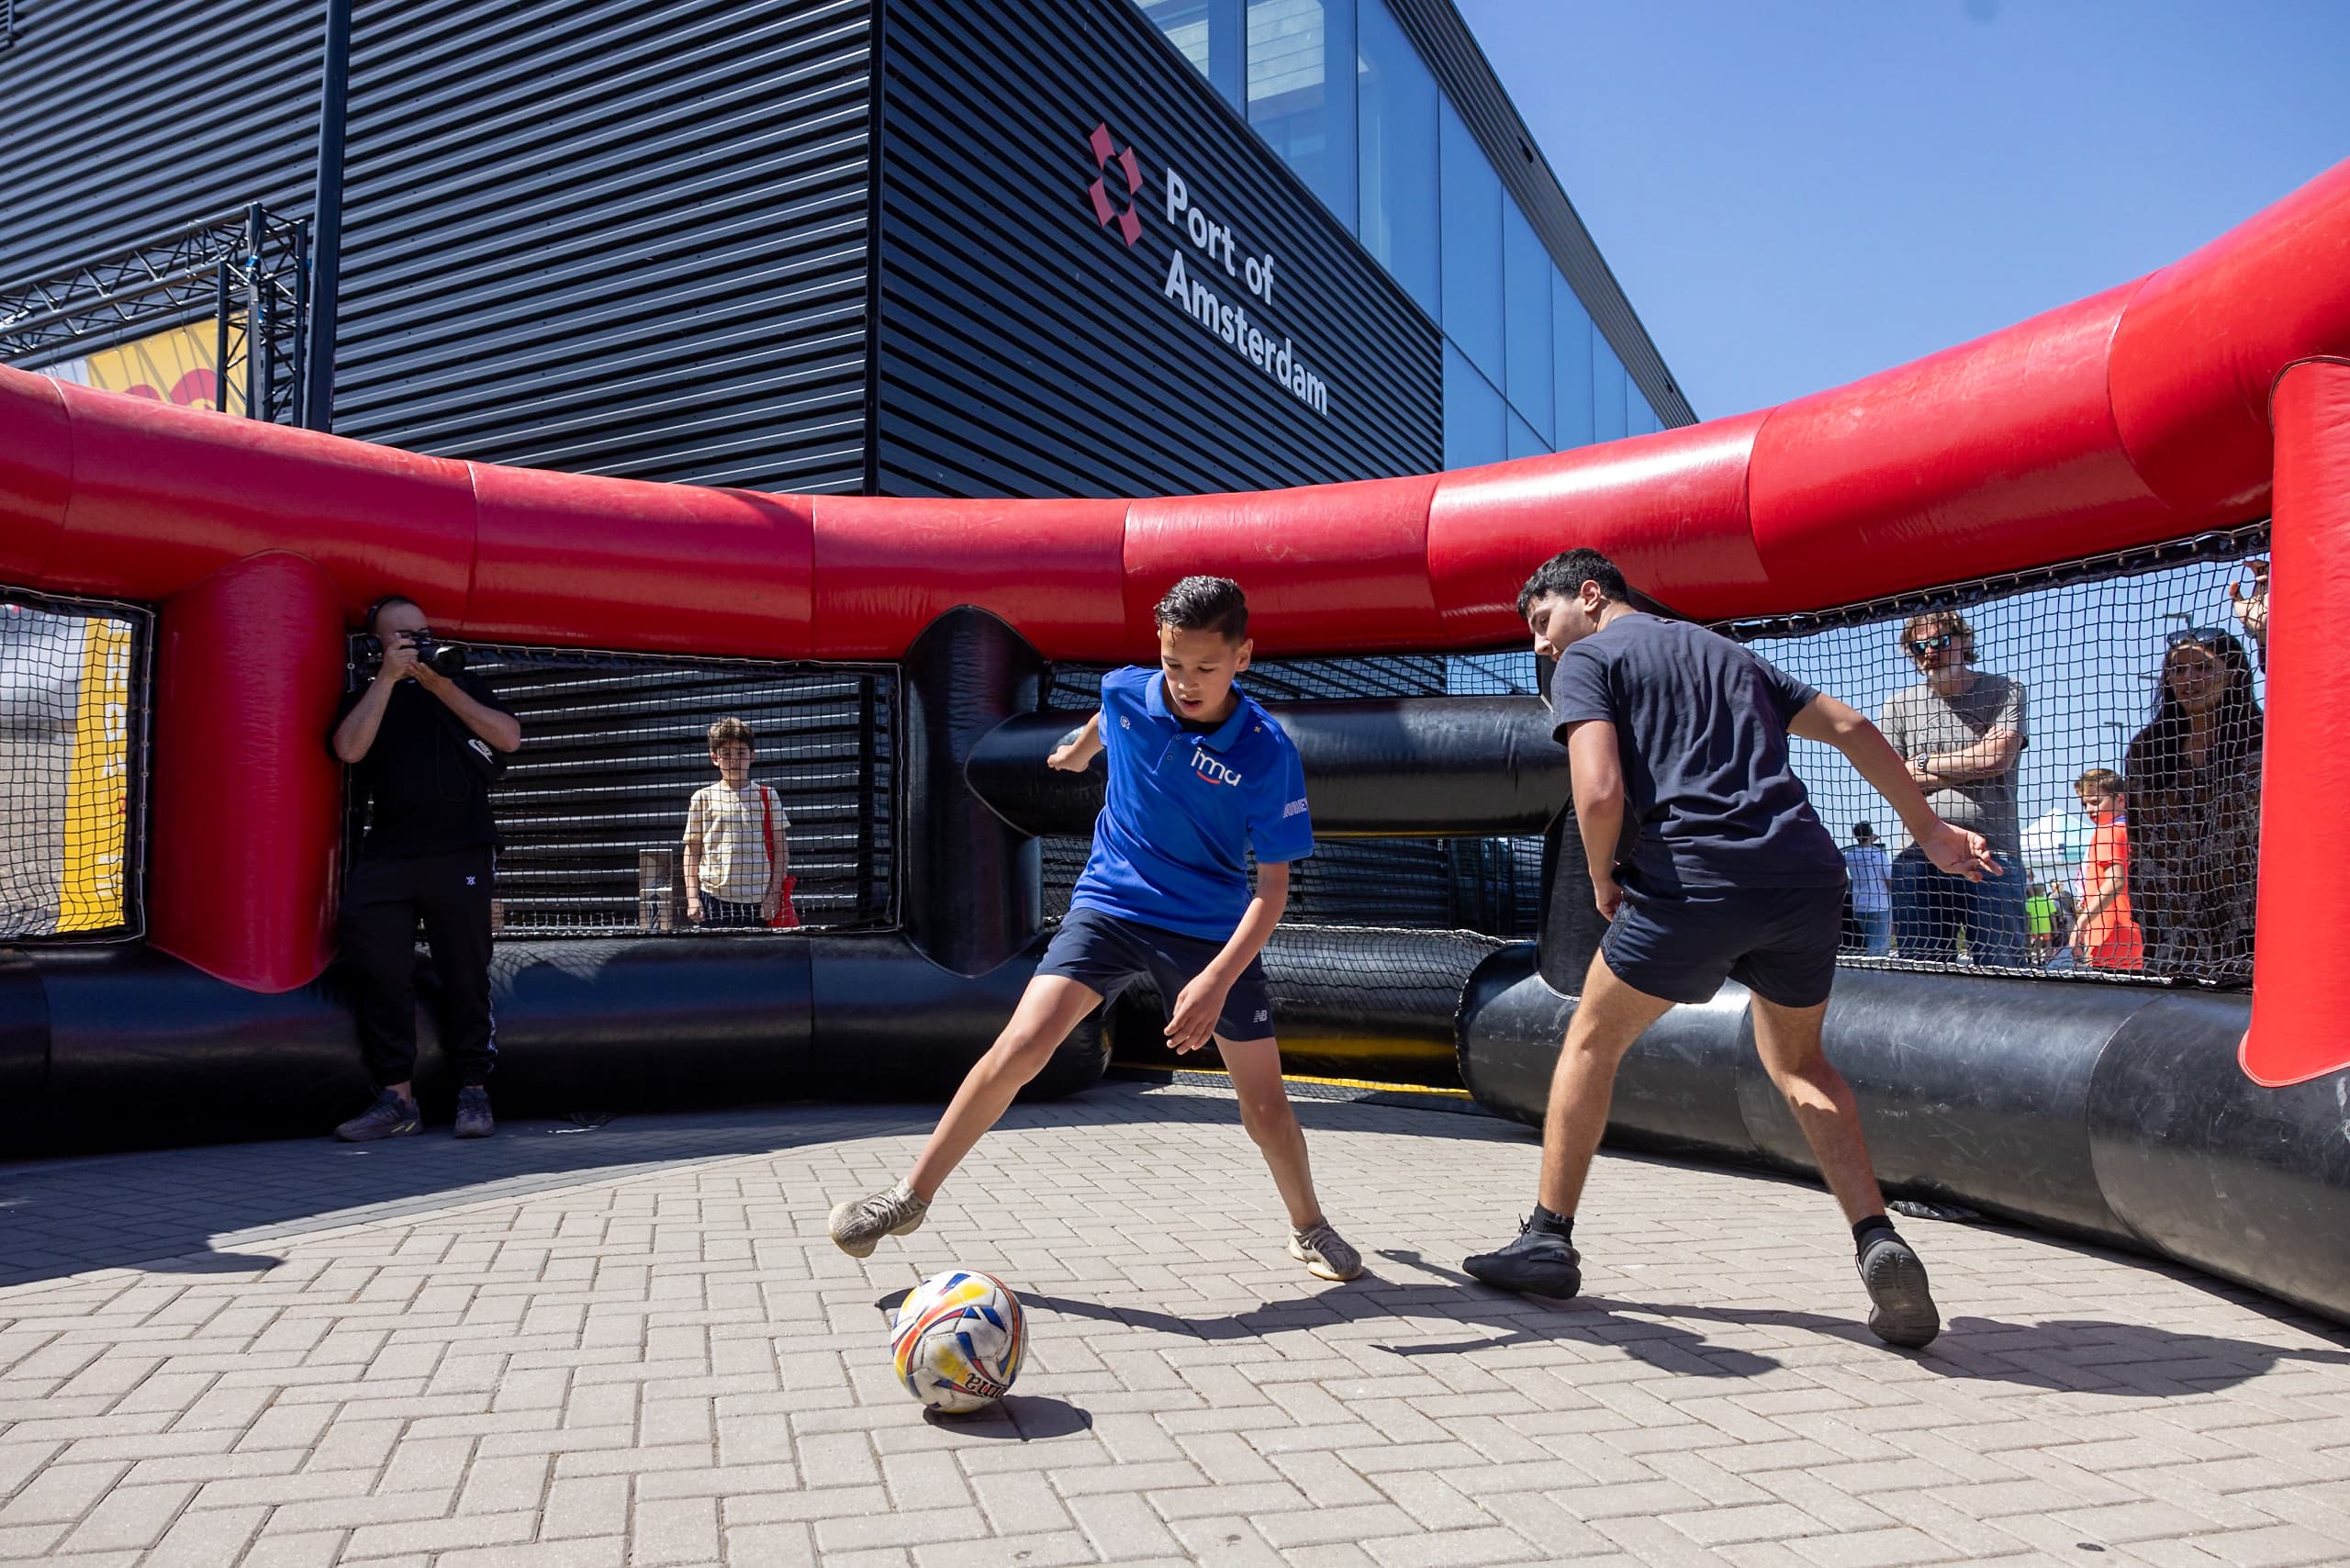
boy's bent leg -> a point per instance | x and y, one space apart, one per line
1901 1310
1272 1122
1048 1010
1608 1017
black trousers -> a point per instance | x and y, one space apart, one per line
385 898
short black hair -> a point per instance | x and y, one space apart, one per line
1205 604
1564 575
382 604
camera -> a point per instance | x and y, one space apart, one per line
447 658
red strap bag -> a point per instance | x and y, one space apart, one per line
785 916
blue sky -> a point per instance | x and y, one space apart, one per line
1795 193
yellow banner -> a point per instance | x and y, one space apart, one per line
175 366
97 790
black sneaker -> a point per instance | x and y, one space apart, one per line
473 1111
1901 1311
1537 1263
389 1116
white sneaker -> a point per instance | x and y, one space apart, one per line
858 1224
1324 1252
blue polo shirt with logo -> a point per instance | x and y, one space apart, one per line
1171 848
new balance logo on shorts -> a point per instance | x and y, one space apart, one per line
1294 809
1263 1016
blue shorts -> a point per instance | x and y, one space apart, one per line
1109 954
1779 943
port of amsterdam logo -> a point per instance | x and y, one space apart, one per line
1109 211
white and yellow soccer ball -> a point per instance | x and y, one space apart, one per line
958 1338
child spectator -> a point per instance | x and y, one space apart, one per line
735 852
2106 937
1869 871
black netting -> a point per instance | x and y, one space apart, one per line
2137 676
72 724
1491 885
592 811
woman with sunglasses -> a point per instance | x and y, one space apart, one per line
1962 729
2194 782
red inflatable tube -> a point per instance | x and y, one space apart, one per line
1325 566
163 496
2301 991
650 568
36 473
248 794
1670 509
885 568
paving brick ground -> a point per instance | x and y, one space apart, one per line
635 1345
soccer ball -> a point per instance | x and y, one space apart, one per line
958 1339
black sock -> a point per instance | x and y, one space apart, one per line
1561 1226
1865 1232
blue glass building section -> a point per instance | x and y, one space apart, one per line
1397 105
1337 88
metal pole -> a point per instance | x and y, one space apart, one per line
220 336
258 396
326 256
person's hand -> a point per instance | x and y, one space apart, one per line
1606 895
1921 772
768 908
1197 1007
693 908
1959 852
400 657
2078 946
2251 605
1070 756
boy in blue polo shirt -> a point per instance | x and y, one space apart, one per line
1200 776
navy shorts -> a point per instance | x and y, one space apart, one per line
1779 943
1109 954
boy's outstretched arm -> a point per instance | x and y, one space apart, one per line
1954 849
1074 754
1192 1020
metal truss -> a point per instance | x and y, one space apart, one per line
248 271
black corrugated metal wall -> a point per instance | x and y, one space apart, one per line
1027 350
124 119
611 235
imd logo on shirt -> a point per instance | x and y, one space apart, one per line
1212 770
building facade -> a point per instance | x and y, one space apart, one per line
1068 247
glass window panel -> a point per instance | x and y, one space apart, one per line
1474 416
1469 199
1527 271
1396 111
1609 385
1301 91
1523 440
1210 33
1570 357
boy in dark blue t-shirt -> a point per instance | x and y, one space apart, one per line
1709 864
1200 776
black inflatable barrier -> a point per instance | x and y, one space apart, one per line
1375 1006
2114 1113
138 1049
1396 767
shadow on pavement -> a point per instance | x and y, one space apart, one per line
2069 1355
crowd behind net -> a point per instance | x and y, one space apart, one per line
2101 725
70 768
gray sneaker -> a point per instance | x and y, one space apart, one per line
858 1224
1324 1252
1901 1311
474 1119
389 1116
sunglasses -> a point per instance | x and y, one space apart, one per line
1934 644
2211 637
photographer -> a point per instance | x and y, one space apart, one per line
423 740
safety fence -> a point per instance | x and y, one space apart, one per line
73 714
592 812
2099 723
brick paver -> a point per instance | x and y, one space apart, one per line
633 1345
